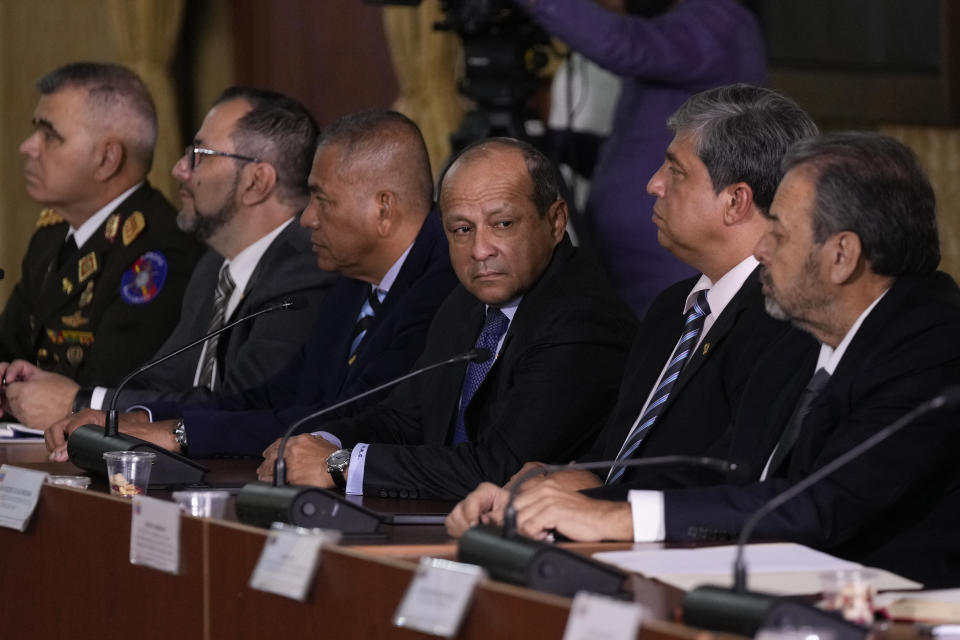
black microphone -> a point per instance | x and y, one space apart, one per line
87 444
740 611
262 504
530 563
2 274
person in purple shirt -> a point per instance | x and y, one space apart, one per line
686 47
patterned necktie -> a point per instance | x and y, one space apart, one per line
368 314
493 329
792 430
225 287
692 326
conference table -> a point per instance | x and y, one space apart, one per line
69 576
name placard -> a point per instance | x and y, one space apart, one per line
155 534
289 560
596 617
19 493
438 597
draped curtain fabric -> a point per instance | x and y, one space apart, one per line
145 33
426 63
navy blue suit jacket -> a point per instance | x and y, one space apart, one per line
246 425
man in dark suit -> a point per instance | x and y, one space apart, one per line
559 332
850 257
370 220
243 181
105 271
681 387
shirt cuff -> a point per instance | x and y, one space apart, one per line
96 398
140 407
646 508
358 458
329 437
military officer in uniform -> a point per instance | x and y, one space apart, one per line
106 268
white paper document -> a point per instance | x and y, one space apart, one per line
19 493
289 560
595 617
155 534
782 568
438 597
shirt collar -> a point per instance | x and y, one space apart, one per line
391 275
829 357
244 263
82 233
721 292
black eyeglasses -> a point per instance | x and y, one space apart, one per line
193 153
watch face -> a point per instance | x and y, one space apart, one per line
338 458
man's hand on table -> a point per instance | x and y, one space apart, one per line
36 397
306 458
134 423
486 503
549 508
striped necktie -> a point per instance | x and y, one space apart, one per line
368 314
221 296
692 326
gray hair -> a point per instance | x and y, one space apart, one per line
116 98
278 130
872 185
740 133
388 140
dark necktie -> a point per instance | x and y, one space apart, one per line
67 250
366 318
493 329
221 297
692 326
792 431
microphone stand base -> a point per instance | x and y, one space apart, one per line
537 565
261 504
86 447
721 609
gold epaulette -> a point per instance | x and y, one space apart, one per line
48 218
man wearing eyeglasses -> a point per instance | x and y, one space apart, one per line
242 183
103 277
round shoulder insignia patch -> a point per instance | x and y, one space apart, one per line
144 279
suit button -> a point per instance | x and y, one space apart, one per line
393 493
413 493
404 493
382 493
692 532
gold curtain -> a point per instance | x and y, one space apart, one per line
425 62
939 151
145 33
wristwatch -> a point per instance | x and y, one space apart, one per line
336 464
180 435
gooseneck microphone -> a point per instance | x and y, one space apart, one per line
741 611
87 444
261 504
513 558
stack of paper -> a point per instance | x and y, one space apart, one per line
778 568
921 606
13 432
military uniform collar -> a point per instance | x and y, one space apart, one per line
88 228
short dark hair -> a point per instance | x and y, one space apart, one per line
544 175
392 140
740 133
872 185
115 95
278 130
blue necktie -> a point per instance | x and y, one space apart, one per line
368 313
692 326
493 329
